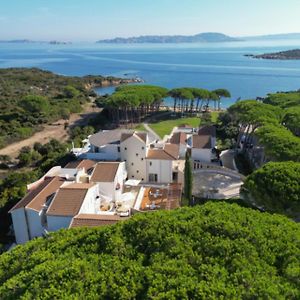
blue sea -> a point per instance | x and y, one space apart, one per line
209 66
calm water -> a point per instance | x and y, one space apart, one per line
209 66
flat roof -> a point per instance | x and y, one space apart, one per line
93 220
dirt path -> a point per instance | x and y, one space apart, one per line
52 131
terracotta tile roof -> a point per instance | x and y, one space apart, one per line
36 198
159 154
91 220
172 149
105 172
178 138
170 152
202 141
69 199
87 164
142 135
185 126
207 130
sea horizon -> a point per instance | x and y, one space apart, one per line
203 65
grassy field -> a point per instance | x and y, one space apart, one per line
214 116
165 127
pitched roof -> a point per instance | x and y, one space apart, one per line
92 220
202 141
102 138
37 197
105 172
170 152
178 138
79 164
69 199
172 149
207 130
142 135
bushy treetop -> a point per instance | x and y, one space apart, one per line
215 251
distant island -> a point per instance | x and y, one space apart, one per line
273 37
283 55
207 37
26 41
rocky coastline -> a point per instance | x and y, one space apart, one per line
282 55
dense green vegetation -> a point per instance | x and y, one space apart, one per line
30 98
132 103
276 128
214 251
188 99
276 187
283 100
280 143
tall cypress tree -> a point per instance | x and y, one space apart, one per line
188 179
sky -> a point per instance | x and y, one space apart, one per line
90 20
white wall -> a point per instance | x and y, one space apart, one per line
135 157
20 225
203 155
107 152
58 222
88 205
163 169
182 150
34 223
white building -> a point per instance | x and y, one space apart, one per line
164 165
134 149
104 145
28 215
203 145
110 177
68 202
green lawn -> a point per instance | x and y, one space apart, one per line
165 127
214 116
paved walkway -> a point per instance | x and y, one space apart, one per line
152 134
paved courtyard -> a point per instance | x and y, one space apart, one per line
212 184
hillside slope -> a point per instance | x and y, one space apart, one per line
212 251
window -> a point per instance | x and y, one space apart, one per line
137 171
150 163
142 179
132 164
137 154
175 176
125 148
119 149
132 176
153 177
142 159
143 148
